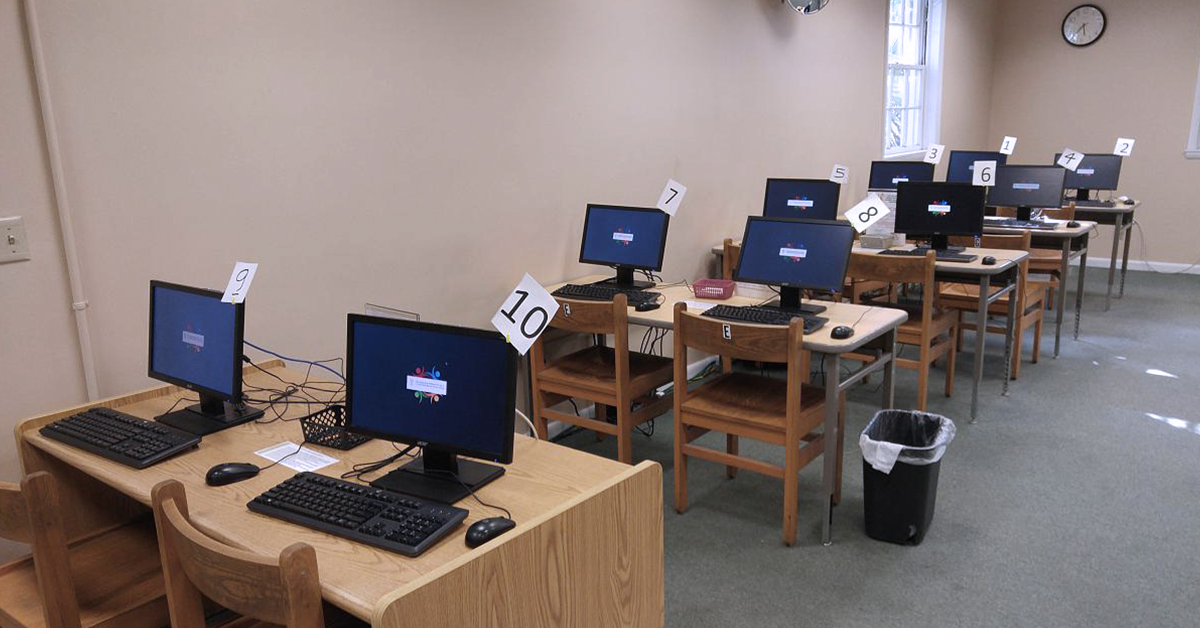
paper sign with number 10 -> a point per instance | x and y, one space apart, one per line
1070 159
984 174
525 314
867 212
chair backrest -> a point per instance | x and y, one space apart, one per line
30 514
1011 242
741 341
899 270
1058 213
283 591
729 258
592 317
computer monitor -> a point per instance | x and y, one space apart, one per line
1027 187
815 199
962 164
1095 172
886 175
450 390
196 343
628 238
795 255
938 210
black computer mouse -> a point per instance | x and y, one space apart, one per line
988 260
485 530
841 332
230 472
647 306
1073 224
1129 201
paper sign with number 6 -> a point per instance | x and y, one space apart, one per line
525 314
1008 145
840 174
934 154
867 212
1124 147
672 196
1070 159
239 282
984 174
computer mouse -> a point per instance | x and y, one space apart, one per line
1072 224
1129 201
988 260
647 306
841 332
230 472
485 530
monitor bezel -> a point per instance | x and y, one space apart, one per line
1061 194
1070 173
662 245
503 457
999 157
961 232
836 206
239 322
871 174
750 220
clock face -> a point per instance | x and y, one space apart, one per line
1083 25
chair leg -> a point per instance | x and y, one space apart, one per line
600 413
952 359
539 420
1037 336
958 331
624 433
731 447
791 490
1018 346
923 376
680 467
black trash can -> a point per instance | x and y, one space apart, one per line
902 456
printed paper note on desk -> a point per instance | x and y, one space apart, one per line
303 460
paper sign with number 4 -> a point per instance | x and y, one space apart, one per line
840 174
934 154
867 213
525 314
1124 147
239 282
984 174
1070 159
672 196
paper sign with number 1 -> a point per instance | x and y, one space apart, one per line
525 314
672 196
1008 145
239 282
867 212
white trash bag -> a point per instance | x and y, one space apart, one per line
908 436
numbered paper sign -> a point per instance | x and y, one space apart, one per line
840 174
525 314
984 173
672 196
1124 147
1070 159
239 282
1008 145
934 154
867 212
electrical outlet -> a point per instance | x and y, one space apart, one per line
13 245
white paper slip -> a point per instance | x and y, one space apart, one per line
239 282
1070 159
983 173
840 174
672 196
867 212
303 460
934 154
1124 146
698 307
1008 145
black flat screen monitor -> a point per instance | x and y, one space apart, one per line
196 343
627 238
449 390
938 210
1027 187
886 175
1094 172
795 255
962 164
815 199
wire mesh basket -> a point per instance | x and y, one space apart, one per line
713 288
327 428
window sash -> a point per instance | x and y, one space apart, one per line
904 120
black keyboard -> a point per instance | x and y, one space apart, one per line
391 521
1013 223
942 256
1093 203
119 437
763 316
592 292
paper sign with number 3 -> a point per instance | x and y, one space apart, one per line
867 212
525 314
239 282
934 154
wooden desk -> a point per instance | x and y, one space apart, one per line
1120 216
875 329
588 546
1073 242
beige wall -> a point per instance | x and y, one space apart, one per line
1137 81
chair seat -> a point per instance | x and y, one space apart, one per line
966 296
334 618
756 401
595 368
118 577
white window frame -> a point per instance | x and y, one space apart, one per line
931 98
1192 151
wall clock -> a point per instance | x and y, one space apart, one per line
1084 25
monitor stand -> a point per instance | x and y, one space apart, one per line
212 414
624 280
1083 194
789 301
942 243
432 476
1025 213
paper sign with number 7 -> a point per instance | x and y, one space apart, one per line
867 212
672 196
1070 159
525 314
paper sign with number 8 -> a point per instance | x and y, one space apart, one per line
525 314
867 212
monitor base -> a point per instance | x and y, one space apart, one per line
789 301
625 280
437 484
194 421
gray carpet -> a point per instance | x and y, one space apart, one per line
1067 504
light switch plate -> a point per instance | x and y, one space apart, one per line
14 247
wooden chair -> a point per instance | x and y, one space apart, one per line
110 579
605 376
1046 264
266 592
1030 297
772 410
931 328
729 258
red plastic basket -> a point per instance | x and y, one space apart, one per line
714 288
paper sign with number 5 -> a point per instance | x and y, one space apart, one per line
1124 147
1070 159
934 154
840 174
239 282
867 212
525 314
672 196
984 174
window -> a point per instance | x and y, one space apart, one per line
912 101
1193 144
